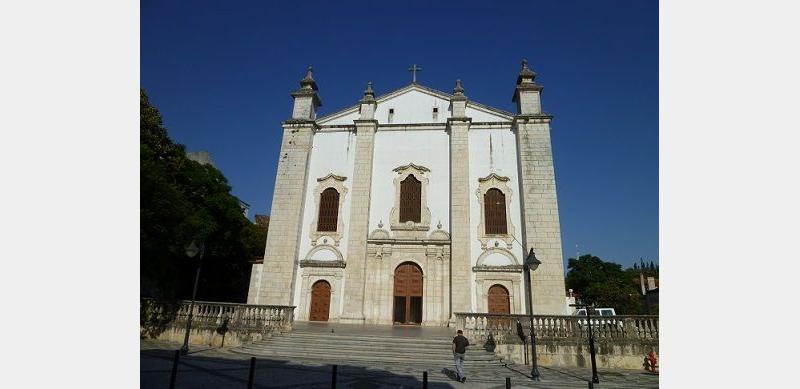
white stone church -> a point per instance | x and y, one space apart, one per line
409 207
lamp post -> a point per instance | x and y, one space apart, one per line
191 251
589 309
531 263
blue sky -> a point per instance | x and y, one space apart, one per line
221 73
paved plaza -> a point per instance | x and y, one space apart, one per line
221 368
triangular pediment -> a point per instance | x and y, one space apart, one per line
416 103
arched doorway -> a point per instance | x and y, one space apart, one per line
320 301
499 303
408 294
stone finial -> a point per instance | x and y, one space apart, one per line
527 92
367 104
526 75
380 223
308 82
439 226
458 90
306 99
458 102
369 94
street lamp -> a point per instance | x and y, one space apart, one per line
589 309
191 251
531 263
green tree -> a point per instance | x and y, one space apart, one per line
182 200
603 283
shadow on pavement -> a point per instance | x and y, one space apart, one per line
203 371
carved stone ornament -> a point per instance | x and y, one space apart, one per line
335 182
425 213
500 183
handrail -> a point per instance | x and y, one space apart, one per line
217 303
156 316
503 327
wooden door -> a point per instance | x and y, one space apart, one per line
320 301
408 294
499 303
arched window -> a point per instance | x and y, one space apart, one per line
328 210
410 199
494 208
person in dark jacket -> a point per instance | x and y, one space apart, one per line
460 344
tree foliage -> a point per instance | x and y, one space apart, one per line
603 283
182 200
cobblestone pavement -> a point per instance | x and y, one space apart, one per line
219 368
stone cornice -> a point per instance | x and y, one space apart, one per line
411 165
308 92
331 175
535 119
435 242
312 263
373 122
492 175
463 119
498 269
294 123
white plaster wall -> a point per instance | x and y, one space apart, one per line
493 151
415 106
332 152
345 118
481 115
428 148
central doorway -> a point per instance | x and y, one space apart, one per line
408 294
499 303
320 301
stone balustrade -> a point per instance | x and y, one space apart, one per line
563 340
212 321
479 325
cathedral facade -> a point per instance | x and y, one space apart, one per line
411 206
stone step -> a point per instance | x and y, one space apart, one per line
365 359
373 353
289 345
392 339
409 348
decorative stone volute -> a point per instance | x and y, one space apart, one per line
306 99
368 104
527 94
458 103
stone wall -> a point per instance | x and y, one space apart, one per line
213 324
573 353
563 341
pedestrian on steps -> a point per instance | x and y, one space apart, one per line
460 344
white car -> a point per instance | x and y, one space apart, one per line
600 316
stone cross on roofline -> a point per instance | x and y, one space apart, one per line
414 69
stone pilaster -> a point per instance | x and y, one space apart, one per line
280 256
278 272
355 272
541 229
460 253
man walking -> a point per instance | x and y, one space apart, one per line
460 344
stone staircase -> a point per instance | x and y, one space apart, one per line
364 349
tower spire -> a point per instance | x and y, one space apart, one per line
367 104
527 94
306 99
